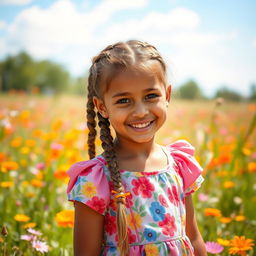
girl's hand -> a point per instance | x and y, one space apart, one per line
192 230
88 231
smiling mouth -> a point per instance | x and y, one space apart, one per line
141 125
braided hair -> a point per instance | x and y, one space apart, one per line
111 60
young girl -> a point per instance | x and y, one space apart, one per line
135 198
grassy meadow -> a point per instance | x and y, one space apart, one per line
41 136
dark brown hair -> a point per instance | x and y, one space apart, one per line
133 55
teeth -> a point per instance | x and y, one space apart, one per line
140 125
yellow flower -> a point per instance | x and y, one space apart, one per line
89 189
24 150
9 166
29 225
21 218
30 194
212 212
65 218
239 218
246 151
23 162
223 242
134 220
239 245
225 220
229 184
151 250
6 184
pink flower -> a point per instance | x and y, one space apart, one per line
143 187
40 166
40 246
168 225
173 195
213 248
27 237
203 197
34 232
98 204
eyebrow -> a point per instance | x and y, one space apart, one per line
128 93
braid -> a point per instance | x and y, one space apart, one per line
91 123
110 156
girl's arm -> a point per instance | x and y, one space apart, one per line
192 230
88 231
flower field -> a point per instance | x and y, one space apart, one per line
41 136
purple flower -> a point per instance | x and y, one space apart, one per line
27 237
34 232
213 247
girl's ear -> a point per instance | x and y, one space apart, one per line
99 104
168 92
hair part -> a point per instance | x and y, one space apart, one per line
132 55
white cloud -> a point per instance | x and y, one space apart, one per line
3 25
254 42
15 2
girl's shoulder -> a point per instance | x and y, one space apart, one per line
184 162
89 185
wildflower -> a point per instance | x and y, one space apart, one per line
37 183
29 225
212 212
65 218
40 246
21 218
239 218
213 248
228 184
34 232
225 220
239 245
203 197
252 167
6 184
9 166
223 242
27 237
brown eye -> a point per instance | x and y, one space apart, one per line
123 101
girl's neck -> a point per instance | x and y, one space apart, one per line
130 149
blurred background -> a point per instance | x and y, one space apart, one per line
209 46
45 52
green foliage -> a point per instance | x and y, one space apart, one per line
228 94
190 90
253 92
22 73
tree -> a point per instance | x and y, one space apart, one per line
190 90
228 94
252 95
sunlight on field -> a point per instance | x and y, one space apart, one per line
42 136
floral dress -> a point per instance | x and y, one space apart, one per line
155 207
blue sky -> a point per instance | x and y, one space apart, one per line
210 41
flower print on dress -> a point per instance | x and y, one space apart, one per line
162 200
131 237
110 224
157 211
143 187
173 195
168 225
98 204
150 234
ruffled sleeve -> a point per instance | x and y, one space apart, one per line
186 165
88 184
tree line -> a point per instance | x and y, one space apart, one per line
22 73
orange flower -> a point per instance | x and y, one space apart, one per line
9 166
60 174
37 183
65 218
239 218
29 225
228 184
21 218
239 245
225 220
252 167
6 184
2 156
212 212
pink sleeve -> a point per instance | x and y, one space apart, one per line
187 166
88 184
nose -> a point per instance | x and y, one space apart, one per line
140 110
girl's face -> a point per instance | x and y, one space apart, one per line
136 106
